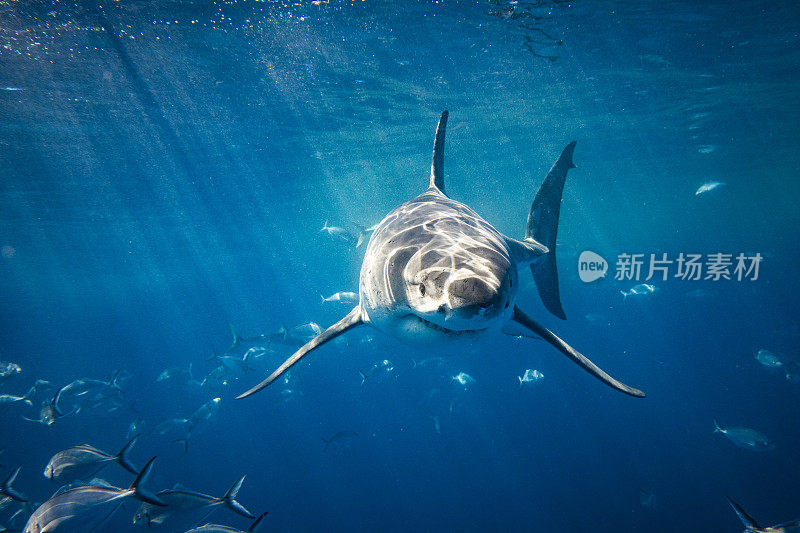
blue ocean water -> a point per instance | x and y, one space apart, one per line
165 169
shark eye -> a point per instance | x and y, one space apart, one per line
422 289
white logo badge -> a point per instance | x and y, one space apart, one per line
591 266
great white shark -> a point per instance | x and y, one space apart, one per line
436 273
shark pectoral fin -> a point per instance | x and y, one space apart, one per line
542 227
352 320
515 329
527 251
572 353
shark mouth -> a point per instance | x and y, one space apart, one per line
442 329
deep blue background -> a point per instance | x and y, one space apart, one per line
165 170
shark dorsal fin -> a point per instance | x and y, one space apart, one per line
437 164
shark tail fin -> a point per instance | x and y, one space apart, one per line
746 519
717 428
122 456
363 377
9 491
520 381
624 295
350 321
542 227
142 494
324 226
254 526
437 163
230 499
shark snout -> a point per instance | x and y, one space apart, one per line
473 297
459 299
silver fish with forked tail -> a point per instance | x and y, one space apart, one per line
86 508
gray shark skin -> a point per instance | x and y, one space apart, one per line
435 273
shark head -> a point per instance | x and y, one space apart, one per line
458 290
435 269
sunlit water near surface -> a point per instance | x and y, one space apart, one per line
165 169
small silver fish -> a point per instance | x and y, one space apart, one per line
706 149
768 359
217 528
746 438
8 369
642 289
83 462
193 423
179 500
303 333
169 373
464 379
12 398
50 412
380 367
245 343
135 428
341 297
296 336
83 508
335 231
82 392
708 187
233 363
530 376
363 233
204 412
